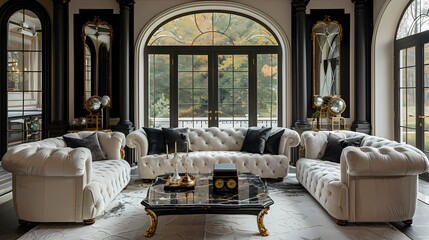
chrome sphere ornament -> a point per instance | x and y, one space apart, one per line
337 105
82 121
105 100
93 104
317 101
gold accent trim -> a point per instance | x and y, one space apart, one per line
260 221
153 223
301 151
122 153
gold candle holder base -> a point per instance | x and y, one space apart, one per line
186 181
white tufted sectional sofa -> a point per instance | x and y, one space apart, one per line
376 182
55 183
215 145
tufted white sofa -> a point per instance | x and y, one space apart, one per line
55 183
215 145
376 182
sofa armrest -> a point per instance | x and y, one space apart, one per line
26 159
384 161
138 140
290 138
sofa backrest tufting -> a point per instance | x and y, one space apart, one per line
216 139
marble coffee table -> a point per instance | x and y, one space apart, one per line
252 199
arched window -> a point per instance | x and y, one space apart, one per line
24 41
212 69
412 76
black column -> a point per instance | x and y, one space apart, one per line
362 81
125 125
300 58
59 123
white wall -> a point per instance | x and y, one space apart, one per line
386 18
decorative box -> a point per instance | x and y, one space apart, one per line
225 178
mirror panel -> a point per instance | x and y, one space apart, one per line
326 37
97 38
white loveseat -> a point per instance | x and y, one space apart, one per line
215 145
376 182
55 183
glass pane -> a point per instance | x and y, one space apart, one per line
402 60
225 63
212 28
240 63
201 95
32 61
33 81
411 136
225 96
411 77
426 53
159 90
411 56
184 62
201 79
426 76
267 89
185 79
193 91
225 79
201 63
411 108
241 79
185 110
403 106
426 141
414 20
403 77
185 95
240 96
426 108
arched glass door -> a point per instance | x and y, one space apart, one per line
412 76
212 69
24 77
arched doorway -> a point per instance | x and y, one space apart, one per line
173 116
25 47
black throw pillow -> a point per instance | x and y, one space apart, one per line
91 142
179 135
255 139
335 146
156 140
273 141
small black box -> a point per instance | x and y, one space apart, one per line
225 178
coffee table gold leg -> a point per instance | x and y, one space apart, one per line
153 223
260 220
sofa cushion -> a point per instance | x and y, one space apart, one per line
273 141
91 142
266 165
255 139
336 144
156 140
179 136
